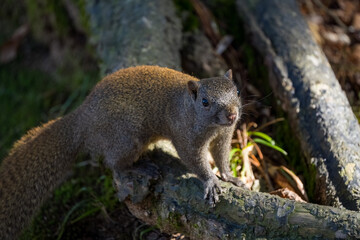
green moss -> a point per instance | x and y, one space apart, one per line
175 220
159 222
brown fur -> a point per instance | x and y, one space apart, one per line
125 112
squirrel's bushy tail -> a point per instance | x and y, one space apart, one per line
38 162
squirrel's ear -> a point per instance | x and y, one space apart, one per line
193 89
228 75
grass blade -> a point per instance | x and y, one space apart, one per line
263 136
266 143
233 151
63 224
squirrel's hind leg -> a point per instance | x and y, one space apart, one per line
122 153
127 177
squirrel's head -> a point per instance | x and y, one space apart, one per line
216 100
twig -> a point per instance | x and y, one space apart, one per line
332 14
270 123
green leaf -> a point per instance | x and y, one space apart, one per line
233 168
234 161
262 141
85 214
233 151
263 136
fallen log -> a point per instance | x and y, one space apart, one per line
166 195
318 109
163 193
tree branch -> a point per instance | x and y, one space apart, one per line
173 201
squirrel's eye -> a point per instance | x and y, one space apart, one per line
205 102
238 92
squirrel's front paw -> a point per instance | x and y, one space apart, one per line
234 180
212 190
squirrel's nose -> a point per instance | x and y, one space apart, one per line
232 117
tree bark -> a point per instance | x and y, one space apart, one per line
302 78
136 32
161 191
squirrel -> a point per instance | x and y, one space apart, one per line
121 116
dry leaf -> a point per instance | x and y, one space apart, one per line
299 187
285 178
346 11
286 193
315 30
247 174
355 54
356 21
337 37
